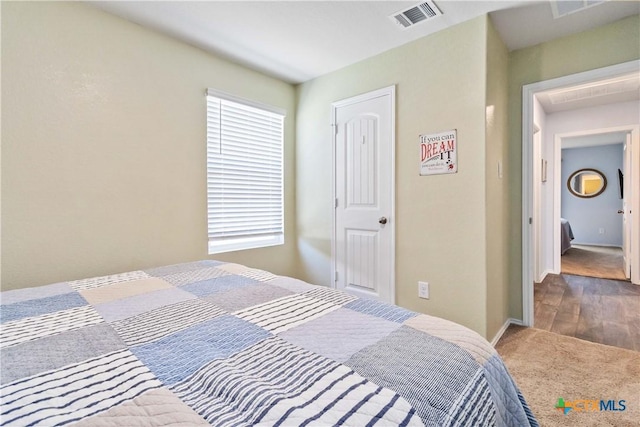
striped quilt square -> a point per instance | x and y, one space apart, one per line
241 389
331 295
355 332
343 398
32 328
176 356
168 270
165 320
219 284
113 311
428 372
186 277
259 275
247 296
97 282
467 339
252 273
275 383
465 411
55 351
20 295
40 306
68 394
285 313
380 309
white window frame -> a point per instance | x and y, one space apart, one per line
227 241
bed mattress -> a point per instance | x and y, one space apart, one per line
227 345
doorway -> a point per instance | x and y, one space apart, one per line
581 80
594 226
363 240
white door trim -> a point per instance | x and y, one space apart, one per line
528 92
390 91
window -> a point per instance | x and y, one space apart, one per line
245 201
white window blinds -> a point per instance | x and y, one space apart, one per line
244 174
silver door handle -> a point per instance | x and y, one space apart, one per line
382 220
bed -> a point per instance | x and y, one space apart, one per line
566 235
213 343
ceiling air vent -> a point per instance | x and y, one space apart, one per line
416 14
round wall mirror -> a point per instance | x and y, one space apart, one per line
587 183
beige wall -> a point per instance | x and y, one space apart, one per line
497 204
608 45
440 220
103 143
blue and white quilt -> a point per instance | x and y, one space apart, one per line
226 345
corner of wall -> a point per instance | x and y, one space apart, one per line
496 182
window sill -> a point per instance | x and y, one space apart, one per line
241 244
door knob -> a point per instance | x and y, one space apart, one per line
620 211
382 220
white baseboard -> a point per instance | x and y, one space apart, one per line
544 275
603 245
510 321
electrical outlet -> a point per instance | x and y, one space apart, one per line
601 231
423 290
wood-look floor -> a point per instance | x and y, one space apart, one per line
598 310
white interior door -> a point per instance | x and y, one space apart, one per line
364 187
626 207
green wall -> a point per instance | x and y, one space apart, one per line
440 219
103 143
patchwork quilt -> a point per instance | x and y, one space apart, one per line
226 345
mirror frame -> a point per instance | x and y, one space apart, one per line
587 196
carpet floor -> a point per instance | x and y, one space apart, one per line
594 261
548 366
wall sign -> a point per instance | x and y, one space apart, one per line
439 153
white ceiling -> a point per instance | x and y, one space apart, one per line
300 40
534 23
608 91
